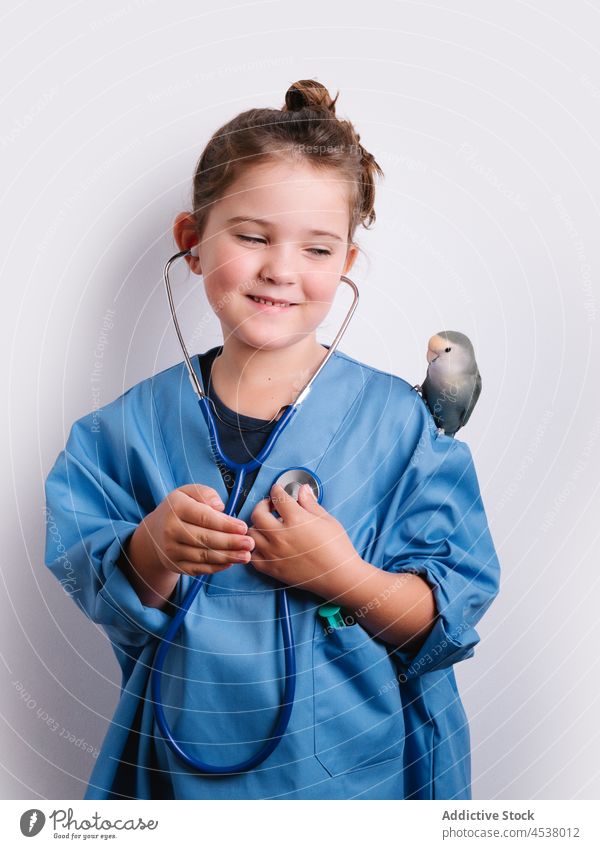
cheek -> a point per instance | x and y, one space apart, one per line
216 295
226 283
321 298
229 270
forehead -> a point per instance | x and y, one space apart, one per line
288 194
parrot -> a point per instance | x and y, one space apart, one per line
453 383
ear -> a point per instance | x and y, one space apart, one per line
351 257
184 232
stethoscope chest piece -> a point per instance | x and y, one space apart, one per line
292 479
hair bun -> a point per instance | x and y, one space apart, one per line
308 94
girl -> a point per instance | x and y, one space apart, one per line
400 541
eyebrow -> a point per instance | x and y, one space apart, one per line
243 218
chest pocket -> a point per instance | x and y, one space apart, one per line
358 718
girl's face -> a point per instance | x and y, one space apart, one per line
280 233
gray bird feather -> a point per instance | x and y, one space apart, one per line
453 383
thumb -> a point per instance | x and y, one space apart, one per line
308 500
203 494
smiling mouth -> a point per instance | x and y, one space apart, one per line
273 304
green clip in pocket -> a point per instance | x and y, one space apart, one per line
333 617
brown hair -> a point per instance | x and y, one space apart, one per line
306 128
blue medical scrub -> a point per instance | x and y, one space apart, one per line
369 721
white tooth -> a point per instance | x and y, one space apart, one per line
269 303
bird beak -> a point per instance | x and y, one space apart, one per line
431 355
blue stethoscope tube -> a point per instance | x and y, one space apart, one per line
242 470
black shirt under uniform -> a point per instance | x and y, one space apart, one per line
241 437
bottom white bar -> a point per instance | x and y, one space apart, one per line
370 824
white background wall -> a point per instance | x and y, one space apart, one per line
484 118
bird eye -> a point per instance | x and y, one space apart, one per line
447 349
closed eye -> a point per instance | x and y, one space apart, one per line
255 240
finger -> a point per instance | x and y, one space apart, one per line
211 557
308 500
190 568
203 494
260 541
202 515
262 518
286 506
202 537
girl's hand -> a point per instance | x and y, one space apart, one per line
303 546
190 533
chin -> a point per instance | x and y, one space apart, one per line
264 342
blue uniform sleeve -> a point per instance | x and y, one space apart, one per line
441 533
96 495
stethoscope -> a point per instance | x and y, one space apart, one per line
290 480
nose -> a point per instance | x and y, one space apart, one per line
279 264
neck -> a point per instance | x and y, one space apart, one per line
253 367
258 382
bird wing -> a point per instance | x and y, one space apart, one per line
474 396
